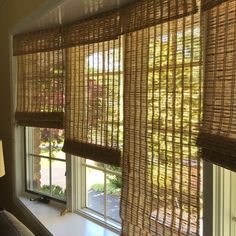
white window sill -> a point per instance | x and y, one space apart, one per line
68 225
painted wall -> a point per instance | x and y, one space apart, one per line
11 13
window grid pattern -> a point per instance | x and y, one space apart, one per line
46 164
105 211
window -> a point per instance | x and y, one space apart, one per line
162 105
101 188
173 151
45 162
95 97
101 183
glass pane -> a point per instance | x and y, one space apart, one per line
45 176
38 174
113 168
57 139
58 179
113 197
94 163
95 189
41 137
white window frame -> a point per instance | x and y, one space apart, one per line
29 156
77 201
224 202
84 200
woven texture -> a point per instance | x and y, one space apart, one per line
146 13
218 133
40 89
208 4
93 118
39 41
95 29
162 104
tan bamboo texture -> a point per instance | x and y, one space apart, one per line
218 132
162 105
40 79
151 75
93 117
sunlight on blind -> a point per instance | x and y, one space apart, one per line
161 166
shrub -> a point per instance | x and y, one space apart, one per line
57 191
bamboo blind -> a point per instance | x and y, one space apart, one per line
146 13
40 80
162 104
218 133
99 28
93 117
207 4
39 41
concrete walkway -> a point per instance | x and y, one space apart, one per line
96 202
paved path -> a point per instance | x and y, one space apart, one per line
96 202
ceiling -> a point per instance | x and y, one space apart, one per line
71 10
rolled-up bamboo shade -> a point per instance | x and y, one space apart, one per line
93 117
147 13
99 28
40 79
39 41
162 105
218 132
208 4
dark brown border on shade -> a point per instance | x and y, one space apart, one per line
218 150
93 152
211 4
219 159
40 119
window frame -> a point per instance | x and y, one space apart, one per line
28 154
75 185
84 200
77 197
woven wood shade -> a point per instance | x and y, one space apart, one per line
93 118
218 133
162 104
146 13
40 41
40 89
94 29
208 4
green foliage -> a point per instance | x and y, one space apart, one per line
115 180
111 188
97 187
57 191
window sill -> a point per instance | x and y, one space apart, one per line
68 225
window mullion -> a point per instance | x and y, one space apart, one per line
105 195
50 163
102 169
